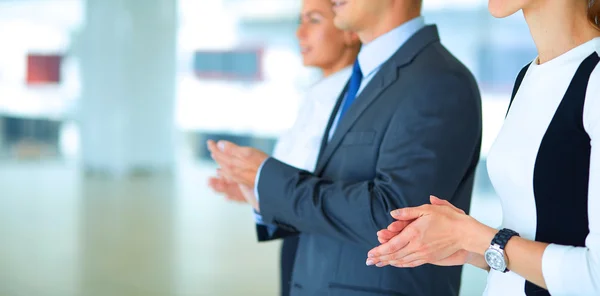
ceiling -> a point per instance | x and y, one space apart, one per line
69 12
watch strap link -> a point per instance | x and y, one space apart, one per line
503 236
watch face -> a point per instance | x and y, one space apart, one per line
495 259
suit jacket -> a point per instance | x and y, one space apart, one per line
415 130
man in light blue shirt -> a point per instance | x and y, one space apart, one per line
371 57
407 126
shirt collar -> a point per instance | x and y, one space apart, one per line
324 85
373 54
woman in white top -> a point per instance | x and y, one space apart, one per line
544 165
333 52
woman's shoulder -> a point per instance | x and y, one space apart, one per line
328 89
339 79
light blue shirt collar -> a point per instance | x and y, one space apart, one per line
373 54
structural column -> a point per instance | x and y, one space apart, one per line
127 55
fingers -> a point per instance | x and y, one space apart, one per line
223 146
393 245
228 148
233 169
221 179
397 257
232 149
227 188
222 175
411 264
212 146
403 261
225 160
217 184
398 226
376 262
246 189
236 198
239 176
219 154
385 235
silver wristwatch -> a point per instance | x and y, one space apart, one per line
495 256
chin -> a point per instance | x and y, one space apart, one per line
341 23
502 8
307 63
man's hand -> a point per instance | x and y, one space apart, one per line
249 197
233 191
229 189
239 164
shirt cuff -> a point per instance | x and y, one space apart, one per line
257 216
259 220
553 269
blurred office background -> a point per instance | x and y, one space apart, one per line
105 106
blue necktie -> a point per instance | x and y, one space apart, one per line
353 88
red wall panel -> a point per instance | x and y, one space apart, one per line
43 69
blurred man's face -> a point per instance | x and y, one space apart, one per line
356 15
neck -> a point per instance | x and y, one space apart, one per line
347 59
385 24
558 26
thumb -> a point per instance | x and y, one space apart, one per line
224 178
232 149
409 213
438 201
224 146
398 226
442 202
244 187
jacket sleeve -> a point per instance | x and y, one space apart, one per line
425 150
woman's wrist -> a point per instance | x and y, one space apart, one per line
477 260
477 236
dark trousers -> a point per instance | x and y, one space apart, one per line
288 256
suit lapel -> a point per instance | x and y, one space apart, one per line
368 95
383 79
336 108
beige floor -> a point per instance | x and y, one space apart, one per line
62 234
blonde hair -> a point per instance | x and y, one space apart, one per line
594 13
